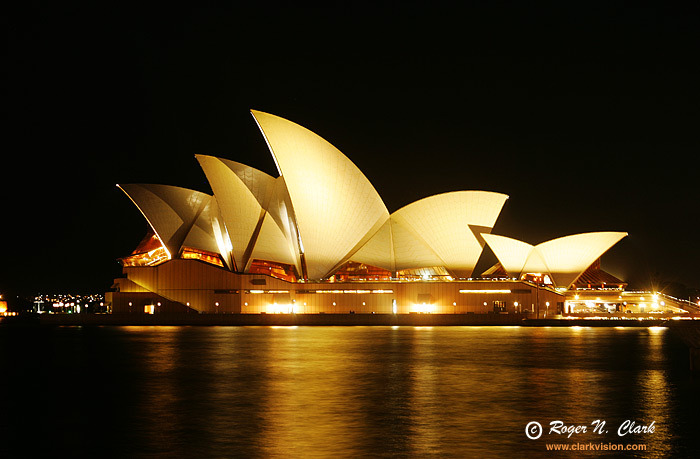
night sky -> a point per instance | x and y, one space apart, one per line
586 116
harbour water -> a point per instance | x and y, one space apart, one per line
342 391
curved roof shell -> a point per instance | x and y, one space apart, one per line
441 230
322 212
244 195
334 203
511 253
564 258
450 224
239 206
179 216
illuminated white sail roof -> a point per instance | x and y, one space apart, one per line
244 196
334 203
565 258
203 235
378 250
450 224
175 214
441 230
272 245
322 212
410 248
569 256
280 209
511 253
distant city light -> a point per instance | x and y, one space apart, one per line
56 303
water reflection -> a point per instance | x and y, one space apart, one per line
380 391
654 393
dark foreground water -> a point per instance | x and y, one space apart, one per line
340 391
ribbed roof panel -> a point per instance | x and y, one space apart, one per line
334 203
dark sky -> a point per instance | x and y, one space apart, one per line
586 116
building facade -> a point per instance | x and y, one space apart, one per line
180 285
318 239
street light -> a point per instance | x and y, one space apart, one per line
537 297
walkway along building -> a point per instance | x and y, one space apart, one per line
319 239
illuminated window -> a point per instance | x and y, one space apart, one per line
149 252
347 291
352 271
499 306
429 273
271 268
190 253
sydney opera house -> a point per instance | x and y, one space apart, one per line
319 239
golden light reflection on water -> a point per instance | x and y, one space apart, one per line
425 438
654 393
406 391
305 385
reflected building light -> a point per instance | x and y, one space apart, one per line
423 308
